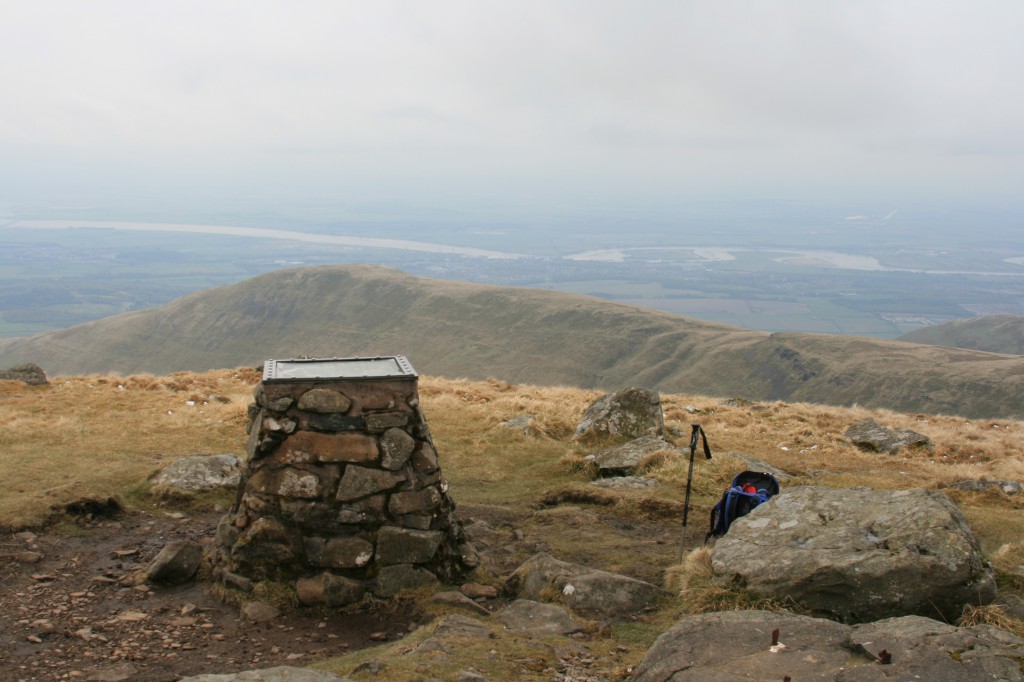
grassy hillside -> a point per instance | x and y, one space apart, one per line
102 435
522 335
992 333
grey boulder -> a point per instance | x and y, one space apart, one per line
28 373
857 554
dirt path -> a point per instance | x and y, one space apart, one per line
65 614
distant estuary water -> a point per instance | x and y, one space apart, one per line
310 237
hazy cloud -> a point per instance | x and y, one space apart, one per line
484 101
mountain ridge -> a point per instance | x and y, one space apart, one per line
991 333
530 336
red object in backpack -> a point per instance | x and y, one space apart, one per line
748 488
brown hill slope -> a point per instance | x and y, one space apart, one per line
991 333
522 335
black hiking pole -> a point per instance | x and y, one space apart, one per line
689 479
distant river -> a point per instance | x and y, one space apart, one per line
795 257
311 237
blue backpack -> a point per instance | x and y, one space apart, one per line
749 489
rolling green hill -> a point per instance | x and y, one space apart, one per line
992 333
456 329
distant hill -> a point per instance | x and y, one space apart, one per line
456 329
992 333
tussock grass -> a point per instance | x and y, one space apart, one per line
992 614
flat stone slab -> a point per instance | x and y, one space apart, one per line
278 674
622 460
626 483
461 626
870 435
587 591
737 645
1007 487
535 618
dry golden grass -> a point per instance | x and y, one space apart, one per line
100 436
96 436
992 614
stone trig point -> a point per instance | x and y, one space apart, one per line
342 493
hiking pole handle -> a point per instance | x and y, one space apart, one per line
697 430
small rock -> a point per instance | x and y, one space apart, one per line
26 557
260 612
459 600
176 563
478 591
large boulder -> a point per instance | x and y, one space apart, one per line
29 373
737 645
623 460
201 473
857 554
587 591
628 414
870 435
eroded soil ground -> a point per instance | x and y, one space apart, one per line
68 610
67 615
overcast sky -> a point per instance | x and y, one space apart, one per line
443 103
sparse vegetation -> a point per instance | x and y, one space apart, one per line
102 436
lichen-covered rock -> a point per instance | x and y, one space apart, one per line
857 554
870 435
201 473
29 373
587 591
628 414
396 446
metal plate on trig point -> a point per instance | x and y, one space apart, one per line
331 369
